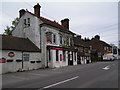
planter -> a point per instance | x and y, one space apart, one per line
32 61
18 60
9 60
38 61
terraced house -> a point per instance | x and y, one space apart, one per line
84 50
99 48
54 40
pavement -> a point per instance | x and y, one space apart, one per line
93 75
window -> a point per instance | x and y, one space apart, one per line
67 40
26 57
57 55
61 39
70 41
25 22
54 38
49 37
28 21
105 48
115 51
64 56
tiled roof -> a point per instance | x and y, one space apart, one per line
79 42
54 24
18 44
92 41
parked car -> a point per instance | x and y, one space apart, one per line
109 57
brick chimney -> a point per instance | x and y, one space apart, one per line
97 37
21 13
37 10
65 23
79 36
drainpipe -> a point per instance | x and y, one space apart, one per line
40 38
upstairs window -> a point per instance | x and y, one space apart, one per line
105 48
49 37
25 22
54 38
61 40
67 40
70 41
28 21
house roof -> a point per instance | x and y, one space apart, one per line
79 42
18 44
53 23
92 41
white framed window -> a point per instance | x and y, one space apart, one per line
25 23
54 38
61 39
28 22
49 37
105 48
26 57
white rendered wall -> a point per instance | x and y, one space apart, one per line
17 66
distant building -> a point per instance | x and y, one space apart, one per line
99 48
115 52
84 52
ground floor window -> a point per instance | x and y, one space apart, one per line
26 57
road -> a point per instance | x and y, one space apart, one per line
94 75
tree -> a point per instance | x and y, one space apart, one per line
8 30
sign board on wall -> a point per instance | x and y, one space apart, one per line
2 60
11 54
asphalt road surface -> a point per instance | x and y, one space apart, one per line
93 75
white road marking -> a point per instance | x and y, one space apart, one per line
60 82
106 68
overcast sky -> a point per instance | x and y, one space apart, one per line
86 18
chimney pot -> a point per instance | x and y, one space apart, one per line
79 36
97 37
21 12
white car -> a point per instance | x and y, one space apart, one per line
108 57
